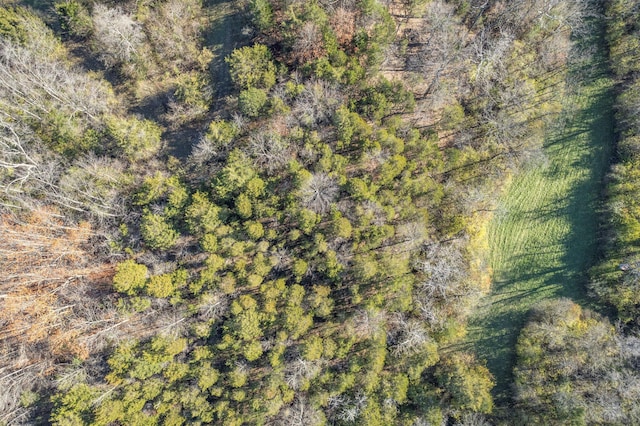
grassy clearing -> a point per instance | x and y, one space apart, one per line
543 237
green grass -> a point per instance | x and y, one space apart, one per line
543 237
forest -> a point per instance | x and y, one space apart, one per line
277 212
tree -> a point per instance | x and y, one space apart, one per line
35 81
262 14
160 286
74 18
317 103
117 36
202 216
130 277
467 383
157 233
270 150
440 44
47 313
573 367
96 184
180 48
318 192
252 67
252 101
73 407
137 139
308 43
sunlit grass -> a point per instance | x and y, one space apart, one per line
543 237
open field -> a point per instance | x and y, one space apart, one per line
544 235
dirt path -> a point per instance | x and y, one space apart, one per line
543 237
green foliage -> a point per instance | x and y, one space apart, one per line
12 24
207 376
340 226
157 233
136 139
252 67
300 268
298 307
193 89
254 230
360 190
243 206
312 349
160 286
130 277
202 216
262 14
385 99
233 177
237 378
320 301
252 101
74 18
163 190
221 133
467 383
566 356
67 136
73 408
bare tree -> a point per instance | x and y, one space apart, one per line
299 371
308 44
33 84
180 46
318 192
407 336
118 37
269 150
442 267
347 409
368 323
343 22
317 103
299 413
96 183
439 44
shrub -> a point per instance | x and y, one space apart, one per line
130 277
74 18
251 66
252 101
136 139
157 233
161 286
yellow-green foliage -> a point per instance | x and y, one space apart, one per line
563 373
130 277
136 139
615 280
252 67
302 291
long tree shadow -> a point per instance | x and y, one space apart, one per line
579 151
224 34
584 202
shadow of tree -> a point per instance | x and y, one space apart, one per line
579 151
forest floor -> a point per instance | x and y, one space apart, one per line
225 34
544 235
